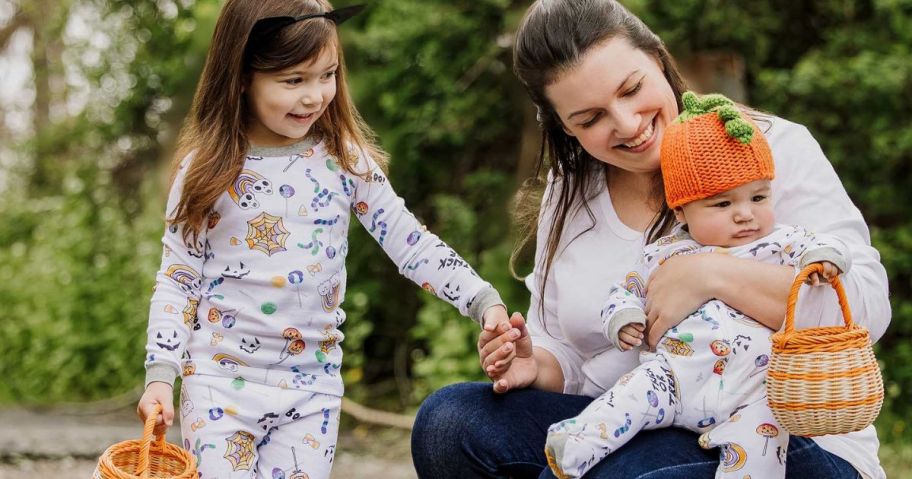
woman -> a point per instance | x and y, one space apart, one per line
605 88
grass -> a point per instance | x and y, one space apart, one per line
896 459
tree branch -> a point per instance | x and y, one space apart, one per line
18 21
373 416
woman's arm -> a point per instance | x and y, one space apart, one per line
550 376
556 361
807 192
758 290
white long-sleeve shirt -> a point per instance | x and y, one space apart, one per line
258 296
806 192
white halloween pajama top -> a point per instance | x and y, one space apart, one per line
249 315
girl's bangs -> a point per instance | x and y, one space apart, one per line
299 43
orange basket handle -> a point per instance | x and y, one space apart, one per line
142 468
793 297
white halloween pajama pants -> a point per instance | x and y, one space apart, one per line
239 429
707 375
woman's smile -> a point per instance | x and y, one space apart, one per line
643 141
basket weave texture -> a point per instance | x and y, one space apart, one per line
146 458
823 380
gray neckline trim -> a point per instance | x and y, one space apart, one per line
275 151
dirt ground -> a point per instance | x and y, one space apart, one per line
36 444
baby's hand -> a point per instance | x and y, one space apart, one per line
631 336
830 271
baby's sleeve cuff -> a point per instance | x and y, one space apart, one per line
826 253
620 319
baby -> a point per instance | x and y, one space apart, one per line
707 373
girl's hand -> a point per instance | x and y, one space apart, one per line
506 355
495 316
157 393
631 336
830 271
676 289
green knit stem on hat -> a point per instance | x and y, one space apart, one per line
735 125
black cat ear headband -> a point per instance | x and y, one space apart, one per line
266 27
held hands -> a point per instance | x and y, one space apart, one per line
631 336
830 271
157 393
505 351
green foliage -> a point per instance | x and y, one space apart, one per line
76 280
430 77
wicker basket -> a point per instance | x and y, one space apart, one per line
823 380
143 458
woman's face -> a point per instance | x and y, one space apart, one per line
616 102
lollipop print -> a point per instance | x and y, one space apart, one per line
296 277
761 363
229 318
653 400
413 238
294 344
707 420
298 473
768 431
287 191
215 412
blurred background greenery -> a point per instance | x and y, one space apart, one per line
103 85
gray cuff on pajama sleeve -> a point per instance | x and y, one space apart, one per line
619 320
160 373
485 298
827 253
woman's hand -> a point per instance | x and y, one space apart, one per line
505 352
157 393
676 289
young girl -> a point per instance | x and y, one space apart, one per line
708 373
274 160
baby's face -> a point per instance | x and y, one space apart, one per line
733 218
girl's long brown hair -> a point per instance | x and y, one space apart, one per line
215 131
553 37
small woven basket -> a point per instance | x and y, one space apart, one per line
145 459
823 380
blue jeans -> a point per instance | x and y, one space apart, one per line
465 431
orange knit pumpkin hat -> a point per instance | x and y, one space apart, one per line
710 148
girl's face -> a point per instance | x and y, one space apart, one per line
732 218
285 104
616 102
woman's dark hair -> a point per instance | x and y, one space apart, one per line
553 37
